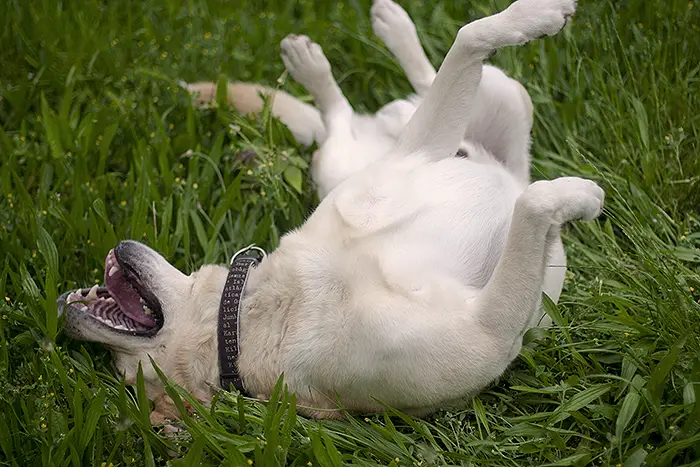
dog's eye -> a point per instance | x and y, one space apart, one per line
461 152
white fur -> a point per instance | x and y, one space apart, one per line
415 278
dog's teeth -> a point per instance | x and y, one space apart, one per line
114 270
147 310
110 300
110 262
121 327
92 294
103 319
83 307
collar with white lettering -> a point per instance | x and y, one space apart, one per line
229 315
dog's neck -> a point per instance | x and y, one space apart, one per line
281 292
266 301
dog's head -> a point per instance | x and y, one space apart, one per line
148 308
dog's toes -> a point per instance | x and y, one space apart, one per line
390 18
305 60
168 428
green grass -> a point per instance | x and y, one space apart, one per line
94 140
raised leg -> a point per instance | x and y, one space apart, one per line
501 114
395 28
508 300
438 125
308 65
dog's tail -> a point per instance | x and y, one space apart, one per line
303 120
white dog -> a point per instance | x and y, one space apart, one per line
412 282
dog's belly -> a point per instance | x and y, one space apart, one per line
450 217
461 228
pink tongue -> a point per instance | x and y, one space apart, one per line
124 294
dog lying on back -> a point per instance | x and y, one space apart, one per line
415 278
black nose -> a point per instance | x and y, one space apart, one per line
130 254
128 247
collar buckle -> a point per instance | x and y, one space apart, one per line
252 251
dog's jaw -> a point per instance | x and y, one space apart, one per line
186 348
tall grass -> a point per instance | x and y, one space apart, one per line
98 143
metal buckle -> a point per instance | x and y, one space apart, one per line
250 247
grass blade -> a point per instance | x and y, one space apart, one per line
53 132
627 412
578 402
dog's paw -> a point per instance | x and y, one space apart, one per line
305 60
541 17
391 23
565 199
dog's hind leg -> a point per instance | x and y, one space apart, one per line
449 340
392 24
438 125
507 303
500 120
308 65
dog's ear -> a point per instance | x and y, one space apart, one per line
163 410
158 418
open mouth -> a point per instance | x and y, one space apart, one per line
124 305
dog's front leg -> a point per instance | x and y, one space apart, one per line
438 125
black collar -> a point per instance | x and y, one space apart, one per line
229 313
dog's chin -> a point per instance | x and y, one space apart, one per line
126 305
